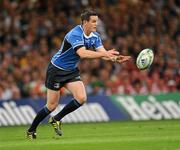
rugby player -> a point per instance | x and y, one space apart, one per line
63 70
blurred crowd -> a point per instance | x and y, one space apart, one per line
31 31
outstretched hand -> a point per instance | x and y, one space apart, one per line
111 54
121 59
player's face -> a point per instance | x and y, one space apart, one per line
92 23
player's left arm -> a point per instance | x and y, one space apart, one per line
118 59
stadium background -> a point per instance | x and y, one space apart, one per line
31 31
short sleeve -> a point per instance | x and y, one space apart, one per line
98 43
76 40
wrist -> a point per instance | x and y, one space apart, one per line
104 54
114 59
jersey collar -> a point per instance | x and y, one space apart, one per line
91 34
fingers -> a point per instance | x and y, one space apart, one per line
114 59
122 59
113 49
121 56
112 53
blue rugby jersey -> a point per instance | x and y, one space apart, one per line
67 58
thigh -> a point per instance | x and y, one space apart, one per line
77 89
52 99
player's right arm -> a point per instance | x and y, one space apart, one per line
84 53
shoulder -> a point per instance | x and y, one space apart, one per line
96 34
76 31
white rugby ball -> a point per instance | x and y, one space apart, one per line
145 59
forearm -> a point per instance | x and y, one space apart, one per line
91 54
84 53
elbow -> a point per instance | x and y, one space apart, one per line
81 56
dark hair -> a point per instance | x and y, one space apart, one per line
86 14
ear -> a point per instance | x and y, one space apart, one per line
84 21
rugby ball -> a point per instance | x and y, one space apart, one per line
145 59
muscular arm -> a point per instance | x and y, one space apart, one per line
84 53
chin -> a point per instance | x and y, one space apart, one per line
94 30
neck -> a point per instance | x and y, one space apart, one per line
86 31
